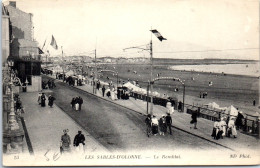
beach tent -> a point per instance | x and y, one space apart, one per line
139 90
156 94
213 105
69 73
80 76
134 88
129 85
57 69
104 83
231 111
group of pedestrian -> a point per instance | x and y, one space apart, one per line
42 98
50 84
224 127
76 103
155 126
203 95
78 142
51 100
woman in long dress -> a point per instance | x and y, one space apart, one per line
65 142
39 98
112 94
155 125
215 129
43 100
232 127
223 127
162 125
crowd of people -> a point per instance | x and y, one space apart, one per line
50 84
224 127
78 142
227 126
115 94
76 103
203 94
161 126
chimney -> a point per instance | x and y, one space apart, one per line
12 3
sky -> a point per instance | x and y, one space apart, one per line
193 28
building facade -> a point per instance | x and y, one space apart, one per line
23 48
5 35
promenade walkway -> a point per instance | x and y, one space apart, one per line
45 127
182 121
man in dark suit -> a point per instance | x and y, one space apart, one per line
103 91
80 101
79 142
194 116
168 119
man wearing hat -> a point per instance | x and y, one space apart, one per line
43 100
65 142
79 142
239 119
148 122
168 120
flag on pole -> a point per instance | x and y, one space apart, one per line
53 43
44 44
158 35
40 51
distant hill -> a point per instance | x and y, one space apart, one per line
156 61
169 61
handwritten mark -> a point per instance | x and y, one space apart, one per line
46 154
56 156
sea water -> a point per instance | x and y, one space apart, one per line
251 69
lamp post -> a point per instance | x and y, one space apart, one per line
63 74
117 80
95 84
183 97
147 97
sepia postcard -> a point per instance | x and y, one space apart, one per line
130 82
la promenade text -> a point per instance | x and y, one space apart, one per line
132 157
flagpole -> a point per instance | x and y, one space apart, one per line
46 60
151 77
94 83
62 64
44 43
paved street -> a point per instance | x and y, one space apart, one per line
118 128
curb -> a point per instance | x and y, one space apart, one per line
28 141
